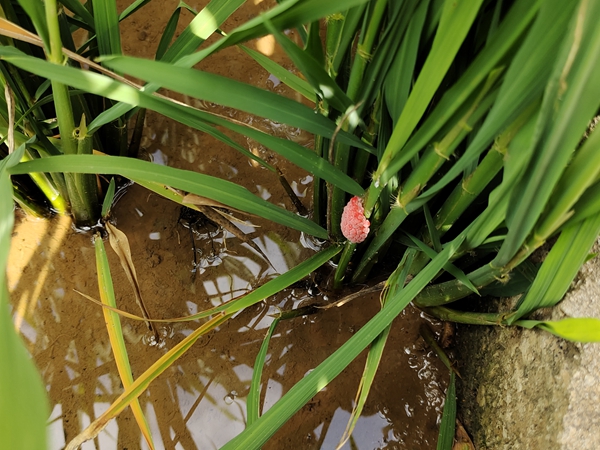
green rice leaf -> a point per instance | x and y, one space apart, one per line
286 15
23 402
516 21
222 191
115 334
450 268
220 315
137 4
35 11
587 205
581 173
227 92
326 88
108 199
106 23
78 9
446 436
577 329
560 266
101 85
168 33
400 77
253 399
456 20
285 76
255 435
571 99
395 282
200 28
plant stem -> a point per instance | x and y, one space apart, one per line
470 318
81 204
345 258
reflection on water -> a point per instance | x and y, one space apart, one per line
200 401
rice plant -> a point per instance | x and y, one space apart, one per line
449 146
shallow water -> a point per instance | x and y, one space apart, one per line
200 401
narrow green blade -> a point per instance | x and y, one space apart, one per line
106 22
231 93
285 76
23 402
577 329
255 435
560 266
446 436
115 334
222 191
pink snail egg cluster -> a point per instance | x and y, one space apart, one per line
355 227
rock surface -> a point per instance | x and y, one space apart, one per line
527 389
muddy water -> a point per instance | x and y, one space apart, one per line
200 401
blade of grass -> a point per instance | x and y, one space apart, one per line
450 268
101 85
577 329
587 205
255 435
168 33
286 15
137 4
560 266
312 69
231 93
108 199
200 28
80 10
23 401
253 400
447 427
220 316
510 31
115 334
285 76
314 44
35 11
572 98
222 191
45 184
578 176
454 24
424 170
518 152
106 23
400 78
396 281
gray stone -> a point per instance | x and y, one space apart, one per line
527 389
